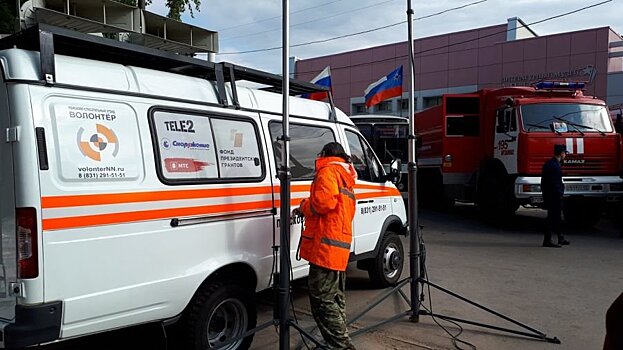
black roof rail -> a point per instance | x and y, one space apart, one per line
50 40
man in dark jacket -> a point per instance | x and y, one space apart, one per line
553 189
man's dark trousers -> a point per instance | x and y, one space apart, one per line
554 207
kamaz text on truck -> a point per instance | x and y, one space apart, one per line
489 146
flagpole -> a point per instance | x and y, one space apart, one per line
284 195
414 243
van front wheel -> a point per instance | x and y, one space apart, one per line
386 267
219 313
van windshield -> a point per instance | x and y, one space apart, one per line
581 117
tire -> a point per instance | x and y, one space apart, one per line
385 269
584 214
431 192
217 313
496 198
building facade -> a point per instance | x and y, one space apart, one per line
496 56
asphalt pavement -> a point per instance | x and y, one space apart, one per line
562 293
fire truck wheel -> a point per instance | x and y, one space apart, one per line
581 214
218 313
495 193
386 267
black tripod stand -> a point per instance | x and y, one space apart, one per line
417 251
419 281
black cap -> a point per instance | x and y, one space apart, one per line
559 149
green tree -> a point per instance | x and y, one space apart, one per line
7 17
176 7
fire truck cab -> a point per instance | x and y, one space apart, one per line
489 147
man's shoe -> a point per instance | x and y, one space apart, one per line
550 244
562 241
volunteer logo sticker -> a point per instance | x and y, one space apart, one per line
104 140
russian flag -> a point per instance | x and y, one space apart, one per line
384 88
322 79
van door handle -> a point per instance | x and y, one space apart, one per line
365 202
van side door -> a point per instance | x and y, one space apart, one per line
8 259
307 139
373 199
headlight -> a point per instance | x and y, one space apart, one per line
531 188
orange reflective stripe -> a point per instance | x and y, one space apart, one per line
299 188
125 217
152 196
366 195
135 197
393 191
347 193
372 187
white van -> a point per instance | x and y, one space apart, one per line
138 195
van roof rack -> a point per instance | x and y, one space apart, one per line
50 40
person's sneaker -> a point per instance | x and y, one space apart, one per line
550 244
563 242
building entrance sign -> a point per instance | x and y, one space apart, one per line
588 72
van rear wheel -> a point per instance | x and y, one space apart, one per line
219 313
386 267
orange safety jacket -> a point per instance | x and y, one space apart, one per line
329 212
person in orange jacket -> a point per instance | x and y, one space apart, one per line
326 241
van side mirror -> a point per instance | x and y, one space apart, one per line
395 171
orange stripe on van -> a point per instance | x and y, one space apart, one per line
136 197
134 216
153 196
380 187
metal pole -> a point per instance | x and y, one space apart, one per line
284 195
414 242
17 25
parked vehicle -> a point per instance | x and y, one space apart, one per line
488 147
140 186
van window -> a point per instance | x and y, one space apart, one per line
95 141
364 161
306 142
237 147
193 148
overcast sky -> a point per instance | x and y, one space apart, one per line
256 24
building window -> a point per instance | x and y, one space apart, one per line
385 106
432 101
404 103
359 108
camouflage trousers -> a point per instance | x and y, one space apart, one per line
327 299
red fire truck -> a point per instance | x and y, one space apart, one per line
488 147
